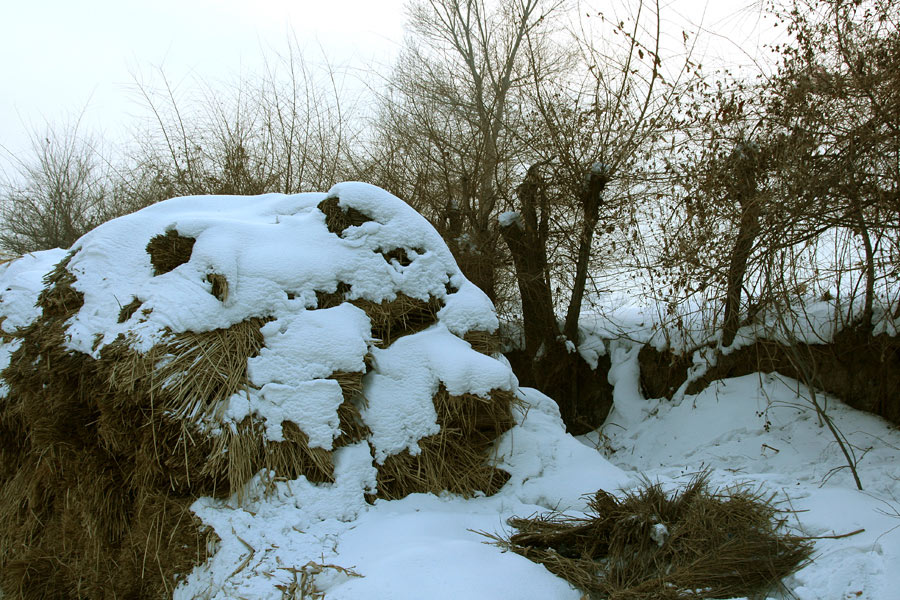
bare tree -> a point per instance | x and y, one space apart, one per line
444 136
50 198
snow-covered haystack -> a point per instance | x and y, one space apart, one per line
184 350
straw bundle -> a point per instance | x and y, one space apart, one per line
454 458
694 543
103 457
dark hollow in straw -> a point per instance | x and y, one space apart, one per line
338 218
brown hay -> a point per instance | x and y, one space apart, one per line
400 255
483 342
219 286
168 251
390 319
103 457
337 218
5 336
332 299
456 459
720 544
352 427
196 373
165 542
59 299
129 309
446 463
401 316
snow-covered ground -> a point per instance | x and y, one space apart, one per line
757 430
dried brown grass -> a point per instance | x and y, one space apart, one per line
720 544
103 457
457 458
337 219
219 285
483 341
392 319
168 251
128 310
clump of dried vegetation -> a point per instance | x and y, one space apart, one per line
651 545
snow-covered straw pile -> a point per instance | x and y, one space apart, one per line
205 343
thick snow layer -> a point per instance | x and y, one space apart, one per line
406 376
21 281
276 253
756 430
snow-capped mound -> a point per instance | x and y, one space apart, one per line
204 343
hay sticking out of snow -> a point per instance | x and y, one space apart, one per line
692 543
391 319
169 251
484 342
59 299
338 218
401 316
456 459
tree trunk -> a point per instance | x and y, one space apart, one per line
530 260
737 267
584 396
591 199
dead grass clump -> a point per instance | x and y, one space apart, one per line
401 316
219 286
196 372
332 299
353 429
242 450
338 218
400 255
693 543
446 463
165 541
168 251
58 299
128 310
456 459
390 319
483 342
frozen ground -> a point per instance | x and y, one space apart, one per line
754 430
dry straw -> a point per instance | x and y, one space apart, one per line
650 545
454 458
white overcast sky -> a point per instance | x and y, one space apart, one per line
59 57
